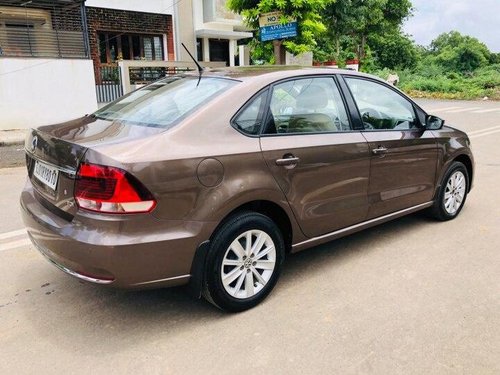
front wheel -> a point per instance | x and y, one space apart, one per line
244 262
452 193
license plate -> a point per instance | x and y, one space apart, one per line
46 174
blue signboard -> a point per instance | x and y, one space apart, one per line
273 32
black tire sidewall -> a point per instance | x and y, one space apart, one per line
221 241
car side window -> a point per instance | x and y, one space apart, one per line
380 107
307 105
248 120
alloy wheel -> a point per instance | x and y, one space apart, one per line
248 264
455 192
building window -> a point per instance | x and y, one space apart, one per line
158 48
19 39
148 48
113 47
18 36
34 32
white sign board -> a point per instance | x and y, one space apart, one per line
272 19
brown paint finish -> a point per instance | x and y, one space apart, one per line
130 249
210 172
405 174
327 189
452 144
202 170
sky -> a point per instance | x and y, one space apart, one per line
477 18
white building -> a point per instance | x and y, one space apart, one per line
53 52
45 73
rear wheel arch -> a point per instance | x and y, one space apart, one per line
267 208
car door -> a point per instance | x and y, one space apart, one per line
318 160
403 152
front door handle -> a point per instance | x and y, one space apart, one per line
380 150
289 161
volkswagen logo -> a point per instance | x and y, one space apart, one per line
34 143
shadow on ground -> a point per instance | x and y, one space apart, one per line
81 313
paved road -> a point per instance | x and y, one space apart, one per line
409 297
471 116
11 156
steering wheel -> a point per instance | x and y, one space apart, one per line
367 114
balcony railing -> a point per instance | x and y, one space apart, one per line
37 42
141 76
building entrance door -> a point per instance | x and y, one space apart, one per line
219 50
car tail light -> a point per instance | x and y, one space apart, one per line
111 190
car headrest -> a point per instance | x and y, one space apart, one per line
312 97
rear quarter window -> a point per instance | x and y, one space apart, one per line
165 102
249 119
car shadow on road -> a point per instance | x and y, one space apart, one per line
80 313
346 248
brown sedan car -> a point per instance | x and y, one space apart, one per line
210 180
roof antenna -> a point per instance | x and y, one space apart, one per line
200 69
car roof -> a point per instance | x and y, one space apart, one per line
274 72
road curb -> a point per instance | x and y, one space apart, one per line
12 137
11 143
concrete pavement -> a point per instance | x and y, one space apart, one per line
412 296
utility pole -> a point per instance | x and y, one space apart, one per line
278 53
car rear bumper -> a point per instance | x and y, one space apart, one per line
132 252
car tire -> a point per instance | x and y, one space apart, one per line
244 262
452 193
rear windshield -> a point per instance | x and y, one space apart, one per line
165 102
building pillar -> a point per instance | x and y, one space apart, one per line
85 30
244 55
183 23
206 50
232 51
165 47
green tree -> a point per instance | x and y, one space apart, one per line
309 23
393 50
351 23
459 53
495 58
339 18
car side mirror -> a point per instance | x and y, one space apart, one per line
433 122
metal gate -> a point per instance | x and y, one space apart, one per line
108 84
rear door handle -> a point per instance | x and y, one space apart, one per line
288 161
380 150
